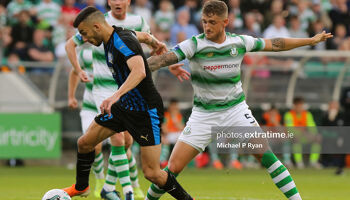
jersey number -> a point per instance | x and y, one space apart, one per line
250 118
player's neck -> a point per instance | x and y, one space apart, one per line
220 39
119 17
107 33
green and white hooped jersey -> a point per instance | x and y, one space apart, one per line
216 69
103 79
85 61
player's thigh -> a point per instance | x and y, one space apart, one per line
181 155
94 135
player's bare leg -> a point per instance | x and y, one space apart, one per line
85 157
177 162
164 179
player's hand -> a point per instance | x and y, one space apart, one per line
179 72
72 103
83 76
159 48
107 104
321 37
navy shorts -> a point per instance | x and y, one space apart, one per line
144 126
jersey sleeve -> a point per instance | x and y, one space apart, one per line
185 49
253 44
127 44
144 26
78 39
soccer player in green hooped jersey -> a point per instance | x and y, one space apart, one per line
103 87
215 59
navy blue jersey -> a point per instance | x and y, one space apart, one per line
121 46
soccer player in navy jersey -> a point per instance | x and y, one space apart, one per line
135 107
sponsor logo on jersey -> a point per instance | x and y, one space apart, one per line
210 54
219 67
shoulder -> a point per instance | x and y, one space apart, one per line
134 17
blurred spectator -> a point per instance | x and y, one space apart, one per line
172 127
164 17
60 51
317 27
251 26
37 51
191 6
234 7
277 29
182 25
276 8
49 11
59 31
69 11
272 117
231 23
321 13
22 36
302 124
339 37
306 16
334 117
340 14
143 8
93 3
15 7
296 31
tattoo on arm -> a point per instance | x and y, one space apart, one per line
278 44
153 41
156 62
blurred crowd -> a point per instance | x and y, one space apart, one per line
36 30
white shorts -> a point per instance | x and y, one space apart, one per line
99 97
197 132
172 137
87 116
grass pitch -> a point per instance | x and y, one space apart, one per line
29 183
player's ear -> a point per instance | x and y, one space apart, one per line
96 27
225 21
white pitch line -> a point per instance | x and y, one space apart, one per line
230 198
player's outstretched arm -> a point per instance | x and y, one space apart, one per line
156 62
137 74
157 46
73 82
72 56
284 44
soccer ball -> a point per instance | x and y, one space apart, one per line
56 194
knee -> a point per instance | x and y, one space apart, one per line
151 174
174 167
84 146
117 139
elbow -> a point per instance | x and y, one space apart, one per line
142 75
